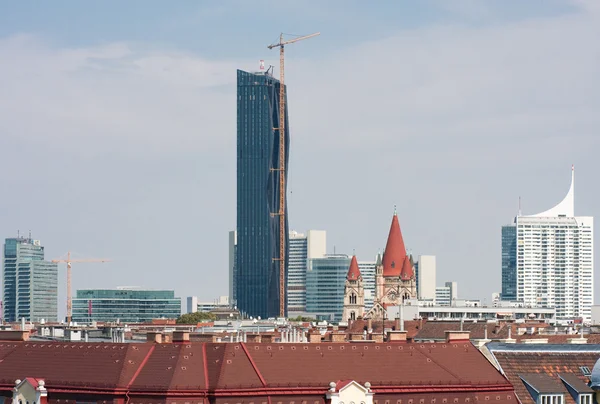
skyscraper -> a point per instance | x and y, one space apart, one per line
232 268
258 244
547 260
30 283
303 247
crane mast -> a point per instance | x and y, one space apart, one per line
282 167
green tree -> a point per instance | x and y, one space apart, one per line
195 318
305 319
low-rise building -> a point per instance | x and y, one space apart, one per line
125 305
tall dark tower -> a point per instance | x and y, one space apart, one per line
257 267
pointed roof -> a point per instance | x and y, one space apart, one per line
566 206
395 251
353 271
378 263
407 269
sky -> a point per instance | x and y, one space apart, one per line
118 128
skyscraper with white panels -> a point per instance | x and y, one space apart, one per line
302 247
548 260
367 270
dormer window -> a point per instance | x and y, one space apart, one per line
551 399
585 399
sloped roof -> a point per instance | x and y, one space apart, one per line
544 360
436 330
395 251
234 369
353 271
358 326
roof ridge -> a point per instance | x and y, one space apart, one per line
440 365
262 380
142 364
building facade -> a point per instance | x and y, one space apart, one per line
302 248
548 260
258 226
196 305
325 281
30 284
125 305
447 294
426 277
354 293
367 271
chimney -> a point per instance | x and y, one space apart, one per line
396 336
314 337
181 336
397 324
254 338
154 336
457 336
369 325
338 336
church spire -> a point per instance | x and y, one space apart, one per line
395 251
353 271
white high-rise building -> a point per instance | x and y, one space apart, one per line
302 248
426 277
548 260
367 270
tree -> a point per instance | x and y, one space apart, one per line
195 318
304 319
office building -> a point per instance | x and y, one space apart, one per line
447 294
125 305
548 261
325 281
426 277
367 270
232 267
194 304
302 248
258 194
30 284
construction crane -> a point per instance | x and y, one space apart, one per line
282 168
69 263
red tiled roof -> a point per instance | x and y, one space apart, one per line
202 370
550 364
407 270
394 255
353 271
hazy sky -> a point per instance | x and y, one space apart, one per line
118 128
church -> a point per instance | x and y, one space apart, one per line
395 279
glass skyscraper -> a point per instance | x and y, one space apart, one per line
30 284
124 304
257 251
509 263
325 281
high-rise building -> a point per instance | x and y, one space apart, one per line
232 267
367 270
302 248
258 195
30 283
548 260
426 274
127 305
325 281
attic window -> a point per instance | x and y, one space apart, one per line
586 371
551 399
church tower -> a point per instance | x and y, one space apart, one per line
354 293
395 275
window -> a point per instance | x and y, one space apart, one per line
585 399
551 399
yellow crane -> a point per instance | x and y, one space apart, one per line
282 168
69 262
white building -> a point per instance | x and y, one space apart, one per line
194 305
447 294
303 247
548 260
367 270
426 279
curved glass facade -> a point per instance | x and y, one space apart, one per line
257 251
